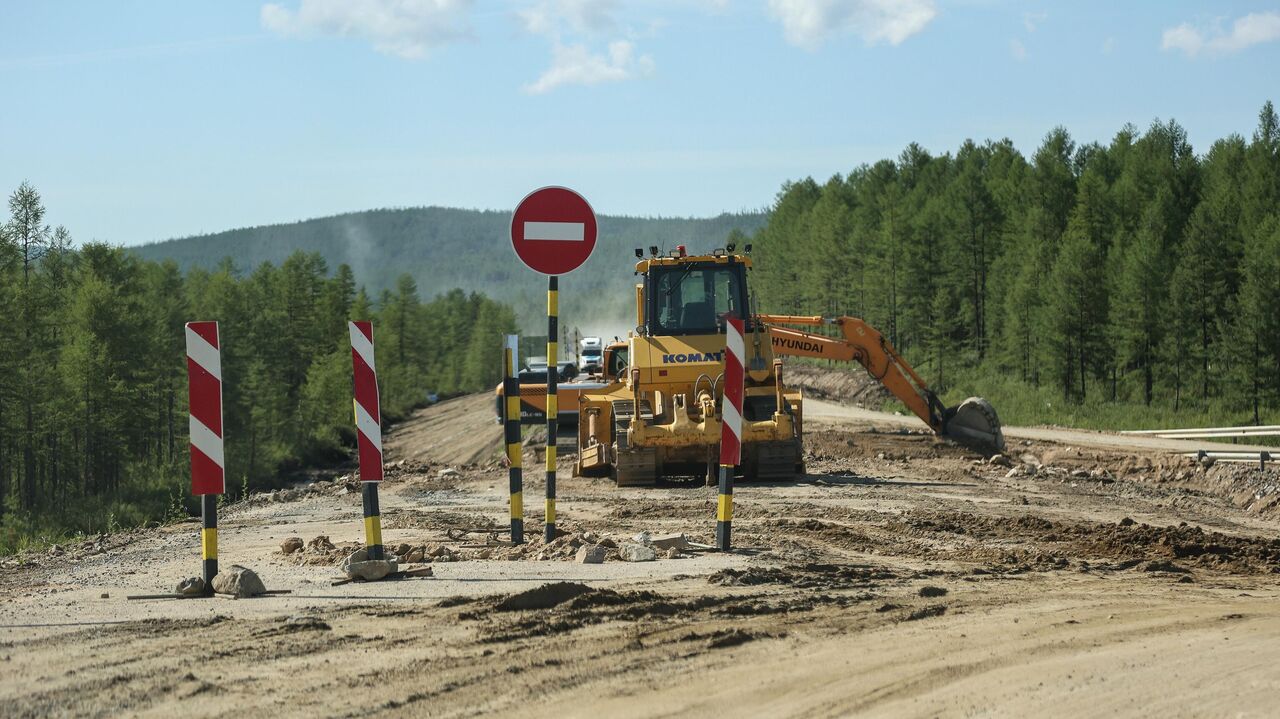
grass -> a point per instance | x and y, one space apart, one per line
1022 404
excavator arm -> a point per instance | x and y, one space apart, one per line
974 419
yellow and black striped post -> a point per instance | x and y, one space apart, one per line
209 539
724 510
553 408
511 392
372 520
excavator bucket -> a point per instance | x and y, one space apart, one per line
975 420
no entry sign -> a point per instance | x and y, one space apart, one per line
553 230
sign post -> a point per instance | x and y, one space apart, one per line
208 465
368 413
730 428
511 434
553 231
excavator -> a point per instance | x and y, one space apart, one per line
659 416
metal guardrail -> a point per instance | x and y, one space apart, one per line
1211 432
1225 456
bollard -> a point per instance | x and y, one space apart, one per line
208 465
368 413
553 406
511 427
731 429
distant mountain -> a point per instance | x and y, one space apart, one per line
444 248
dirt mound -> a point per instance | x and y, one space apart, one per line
456 432
852 386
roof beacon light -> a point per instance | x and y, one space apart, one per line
680 251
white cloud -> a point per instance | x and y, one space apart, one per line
576 65
808 23
404 28
1018 50
1252 29
551 17
1032 20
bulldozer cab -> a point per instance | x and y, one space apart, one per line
693 298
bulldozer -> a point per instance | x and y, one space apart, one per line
660 414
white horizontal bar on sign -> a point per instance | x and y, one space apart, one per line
558 231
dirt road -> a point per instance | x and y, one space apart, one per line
903 576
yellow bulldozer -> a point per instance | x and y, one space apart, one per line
660 416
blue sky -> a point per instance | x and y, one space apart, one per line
143 120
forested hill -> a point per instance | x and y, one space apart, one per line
1136 271
444 248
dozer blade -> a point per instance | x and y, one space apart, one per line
975 420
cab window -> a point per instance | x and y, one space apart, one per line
694 298
618 363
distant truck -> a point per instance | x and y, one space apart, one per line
591 355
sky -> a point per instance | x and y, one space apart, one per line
141 120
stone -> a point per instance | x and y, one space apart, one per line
402 549
1030 469
414 555
191 587
1207 462
448 472
673 553
669 541
608 542
370 570
105 595
238 581
590 554
1000 460
637 553
1013 472
291 545
1080 473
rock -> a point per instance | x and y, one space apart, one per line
608 542
1207 462
1013 472
370 570
1031 470
642 538
191 587
438 550
402 549
484 554
321 544
590 554
590 537
238 581
673 553
414 555
668 541
930 591
1080 473
359 566
1000 460
637 553
291 545
105 595
448 472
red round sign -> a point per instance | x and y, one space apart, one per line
553 230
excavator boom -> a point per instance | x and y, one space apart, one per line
974 419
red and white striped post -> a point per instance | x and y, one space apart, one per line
208 464
368 414
731 427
